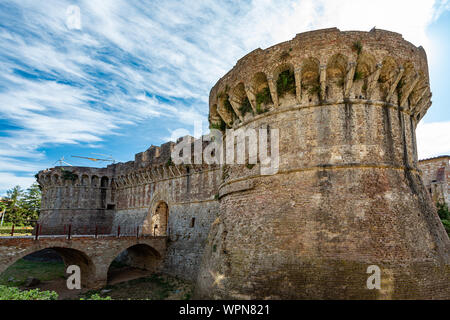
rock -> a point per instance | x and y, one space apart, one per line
31 282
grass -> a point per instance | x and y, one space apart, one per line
22 269
154 287
5 231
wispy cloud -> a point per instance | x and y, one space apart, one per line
137 61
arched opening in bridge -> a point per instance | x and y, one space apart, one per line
135 262
46 269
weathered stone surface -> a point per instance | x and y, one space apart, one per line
436 177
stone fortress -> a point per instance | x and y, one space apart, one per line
436 177
347 194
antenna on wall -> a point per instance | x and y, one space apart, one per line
61 162
94 159
109 157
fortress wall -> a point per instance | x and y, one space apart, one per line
436 177
347 193
76 196
192 207
132 194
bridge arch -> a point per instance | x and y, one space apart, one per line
141 258
70 256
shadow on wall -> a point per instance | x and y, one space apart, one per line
134 262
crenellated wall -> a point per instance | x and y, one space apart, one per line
132 196
76 196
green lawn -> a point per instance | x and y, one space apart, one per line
23 269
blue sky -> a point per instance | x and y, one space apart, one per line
136 73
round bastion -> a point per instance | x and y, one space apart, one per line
347 193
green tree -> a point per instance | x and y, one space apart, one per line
442 209
32 202
444 214
22 206
14 206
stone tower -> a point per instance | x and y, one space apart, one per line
347 194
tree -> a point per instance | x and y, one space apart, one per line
21 206
32 202
444 214
14 211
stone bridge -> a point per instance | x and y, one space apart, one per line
92 254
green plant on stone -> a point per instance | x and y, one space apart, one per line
444 215
245 107
227 105
169 162
286 83
250 165
358 75
219 126
315 89
357 46
68 175
443 211
263 97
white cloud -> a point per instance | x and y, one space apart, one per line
433 139
9 180
134 61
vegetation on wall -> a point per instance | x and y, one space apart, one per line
358 75
228 106
219 126
314 89
444 214
286 83
22 207
245 107
263 97
68 175
169 162
357 46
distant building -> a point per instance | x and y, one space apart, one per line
436 177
